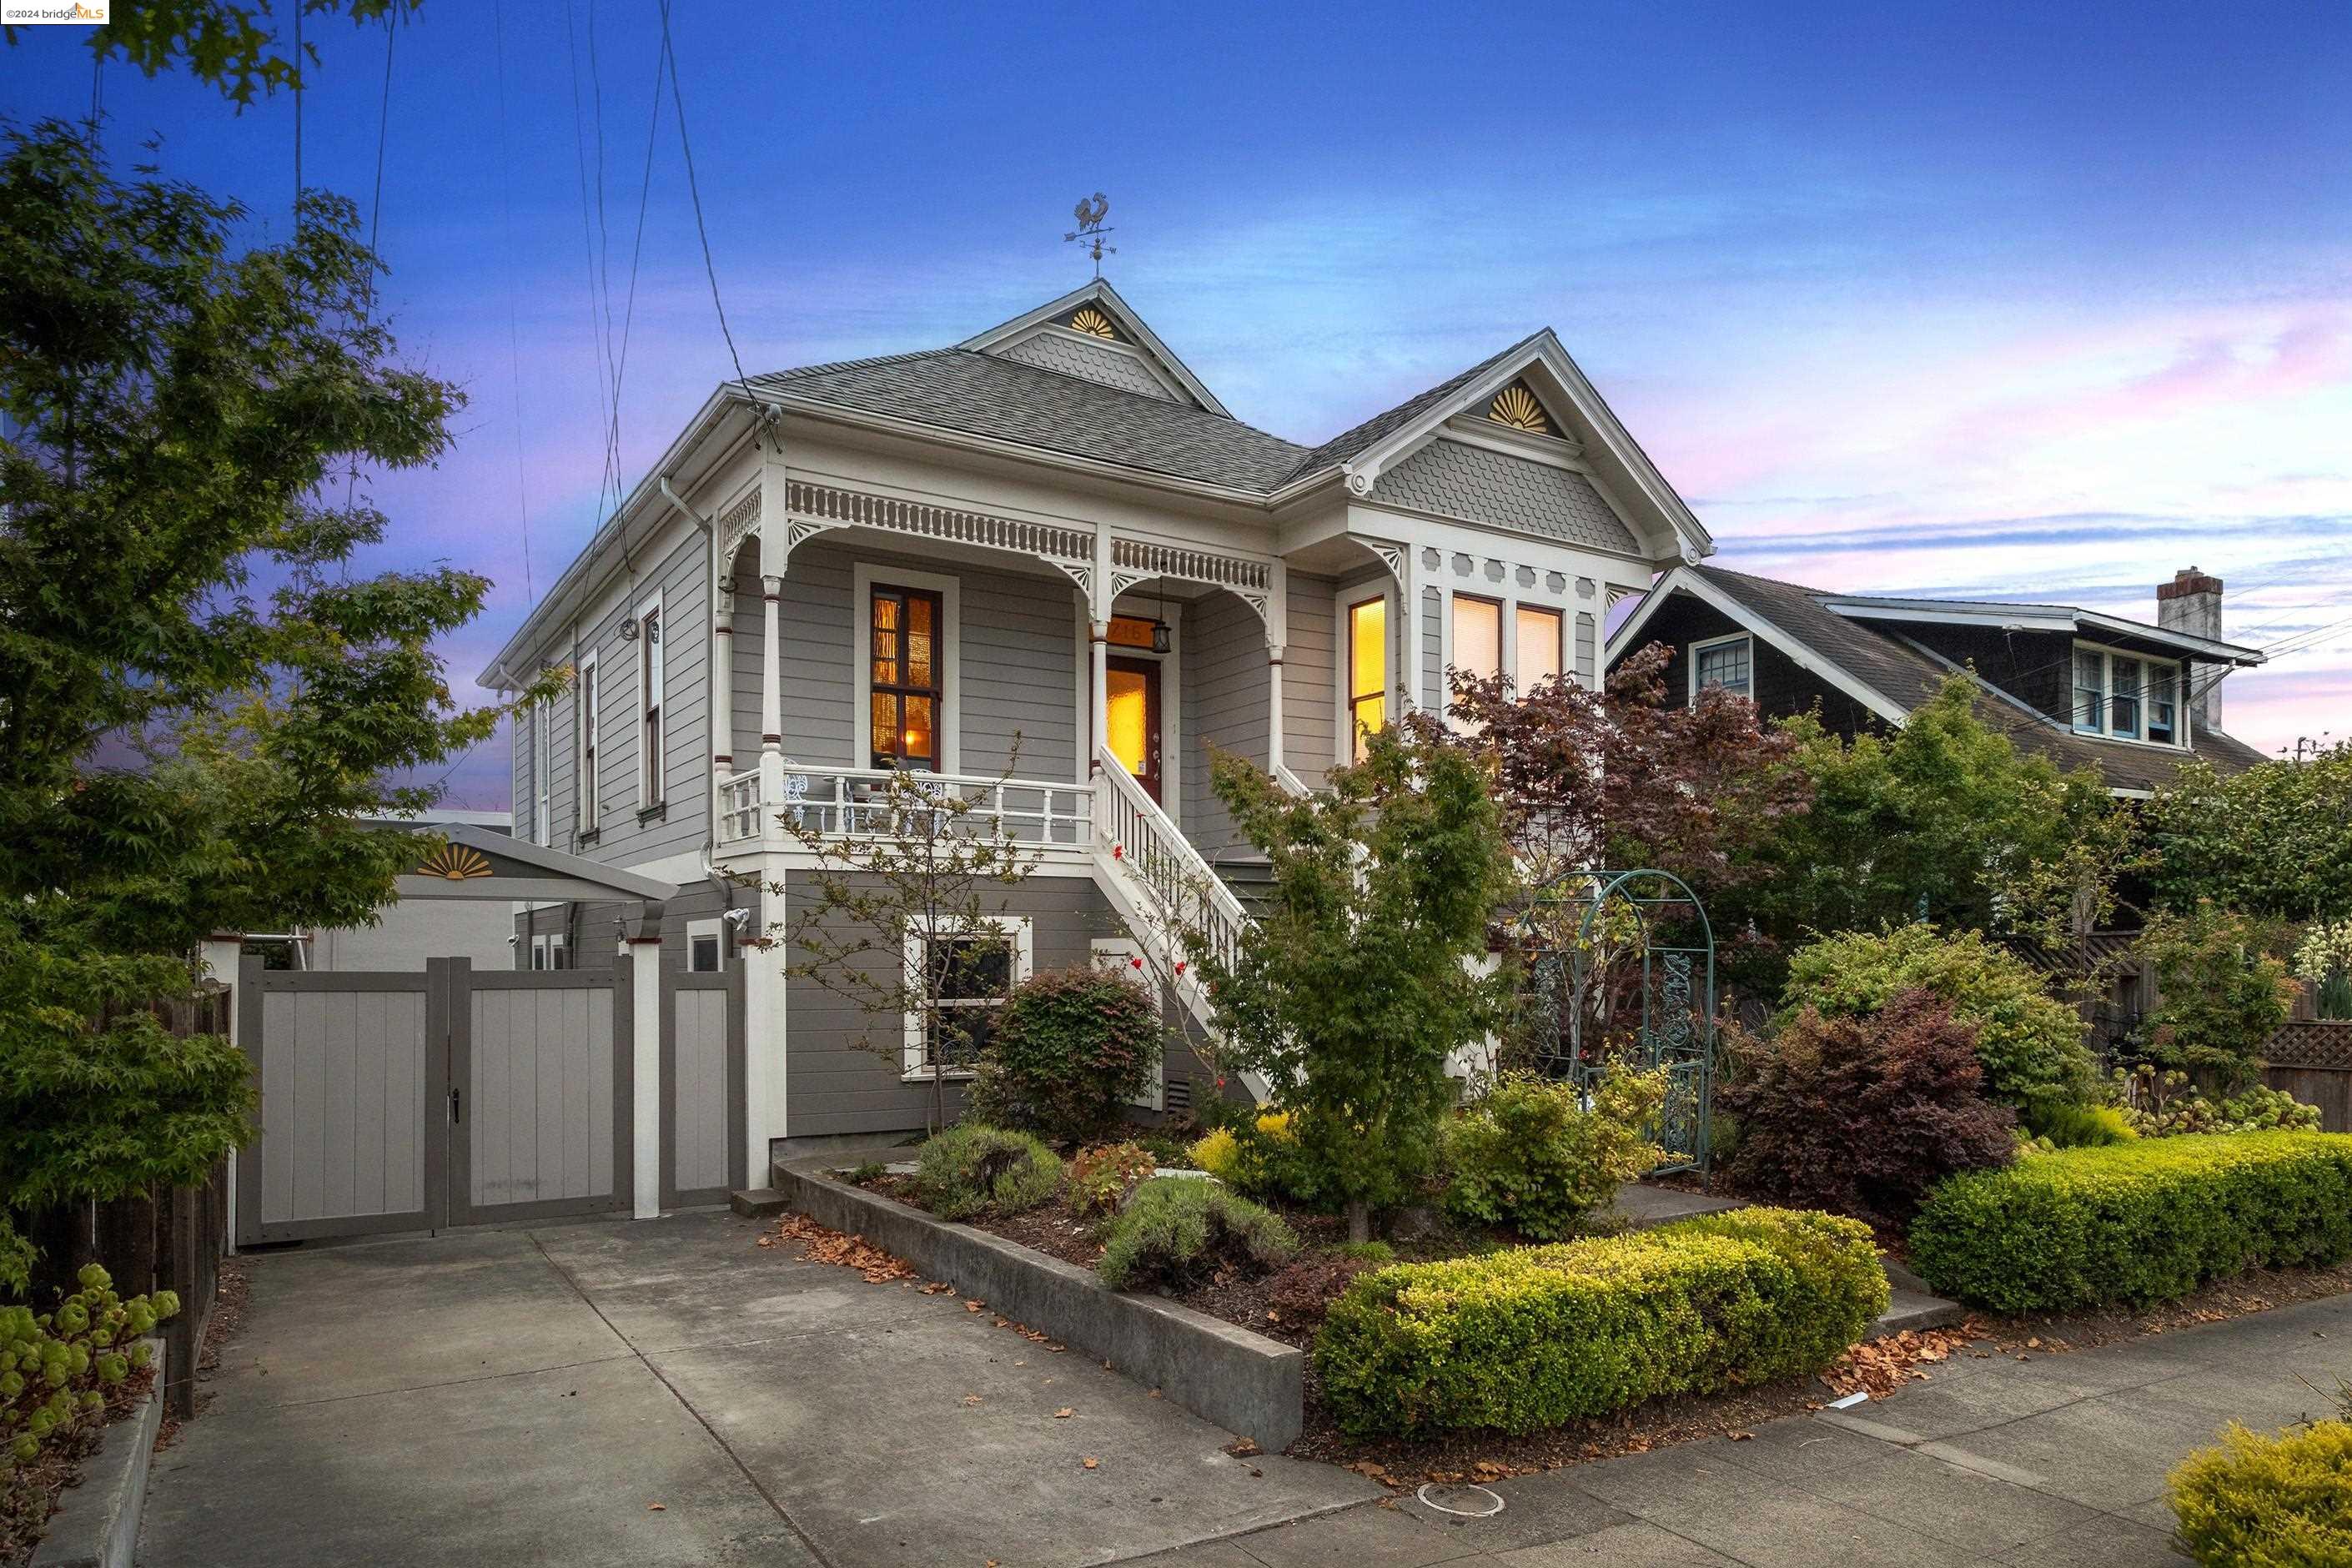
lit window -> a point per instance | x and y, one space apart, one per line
1539 646
904 630
1368 676
1134 631
1477 636
1723 663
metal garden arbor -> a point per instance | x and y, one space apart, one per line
1620 966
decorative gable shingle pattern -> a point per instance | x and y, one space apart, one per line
1379 426
1087 361
1456 479
1875 653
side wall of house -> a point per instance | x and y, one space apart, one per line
1309 669
836 1085
2036 668
591 931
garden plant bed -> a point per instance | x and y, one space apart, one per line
31 1496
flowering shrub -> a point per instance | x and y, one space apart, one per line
58 1365
1100 1178
2325 958
2165 1104
1862 1115
1528 1155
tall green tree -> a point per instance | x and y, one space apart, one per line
1941 821
200 707
1356 981
239 48
2274 841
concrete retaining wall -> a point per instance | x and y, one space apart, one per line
1245 1383
97 1521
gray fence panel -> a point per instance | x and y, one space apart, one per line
702 1086
347 1089
544 1123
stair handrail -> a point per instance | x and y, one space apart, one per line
1292 785
1162 860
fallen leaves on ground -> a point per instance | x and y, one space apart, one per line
1091 1464
1878 1367
823 1244
1064 1414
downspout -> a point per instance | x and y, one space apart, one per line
710 672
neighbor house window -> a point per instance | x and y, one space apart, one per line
904 648
547 951
591 727
974 974
2127 695
1539 646
1726 662
649 703
702 947
1478 636
1368 676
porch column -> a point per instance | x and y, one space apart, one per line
764 1073
1099 638
771 705
1273 707
641 949
721 676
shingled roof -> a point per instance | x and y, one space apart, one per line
1876 654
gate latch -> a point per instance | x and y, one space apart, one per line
455 1107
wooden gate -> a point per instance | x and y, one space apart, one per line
702 1086
407 1101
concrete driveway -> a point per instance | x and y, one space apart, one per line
530 1395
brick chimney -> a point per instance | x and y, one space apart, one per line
2192 603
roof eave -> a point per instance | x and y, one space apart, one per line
1098 289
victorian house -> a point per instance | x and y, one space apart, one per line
1048 564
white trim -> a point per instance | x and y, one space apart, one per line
912 1067
543 774
1683 579
652 681
864 577
1344 597
1125 956
588 744
2104 731
1692 652
1172 694
716 929
2034 618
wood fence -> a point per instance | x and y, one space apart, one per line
175 1241
2311 1059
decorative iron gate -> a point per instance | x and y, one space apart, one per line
1620 967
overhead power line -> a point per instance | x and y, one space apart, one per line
701 229
514 334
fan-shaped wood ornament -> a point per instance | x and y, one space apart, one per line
1516 406
454 863
1093 323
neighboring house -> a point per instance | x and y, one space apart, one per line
2133 699
406 934
1051 533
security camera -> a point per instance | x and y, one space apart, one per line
738 918
513 939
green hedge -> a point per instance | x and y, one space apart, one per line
2268 1502
2139 1222
1531 1337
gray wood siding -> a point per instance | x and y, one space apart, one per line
1309 679
541 1099
1431 624
343 1082
1225 682
623 835
698 1069
834 1086
595 930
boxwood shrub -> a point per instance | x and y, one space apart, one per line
2137 1222
1532 1337
2268 1502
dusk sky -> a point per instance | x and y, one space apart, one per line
2038 302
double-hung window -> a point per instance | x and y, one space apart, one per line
1478 636
1726 662
972 973
1538 651
2127 695
542 776
649 706
903 630
1368 670
592 693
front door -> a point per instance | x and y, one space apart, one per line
1131 718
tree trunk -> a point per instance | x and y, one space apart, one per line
1360 1221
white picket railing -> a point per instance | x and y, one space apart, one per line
860 803
1150 850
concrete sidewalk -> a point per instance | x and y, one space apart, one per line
530 1395
2051 1462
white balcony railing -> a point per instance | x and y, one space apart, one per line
860 802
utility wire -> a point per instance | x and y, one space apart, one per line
636 251
514 334
596 323
700 228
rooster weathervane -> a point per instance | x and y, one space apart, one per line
1091 211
